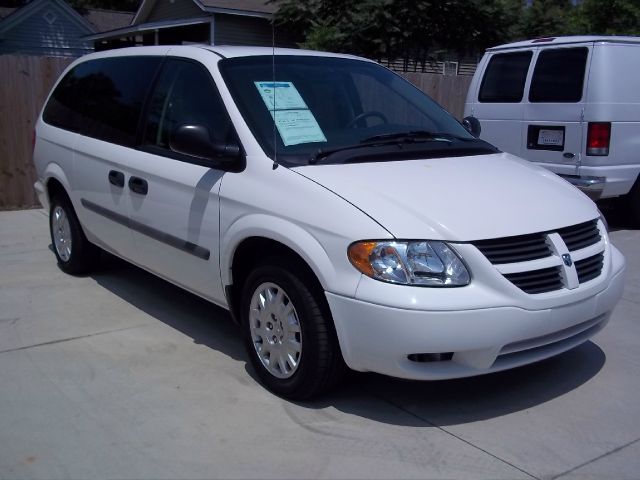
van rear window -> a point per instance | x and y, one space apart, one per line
504 77
559 75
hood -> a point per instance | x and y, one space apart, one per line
457 199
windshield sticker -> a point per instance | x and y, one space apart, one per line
294 121
298 126
280 95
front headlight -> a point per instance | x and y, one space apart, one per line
421 263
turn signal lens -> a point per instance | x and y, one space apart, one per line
359 254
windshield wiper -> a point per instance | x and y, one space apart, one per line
325 153
413 136
416 135
408 136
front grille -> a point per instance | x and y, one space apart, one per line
581 235
589 268
536 246
537 281
514 249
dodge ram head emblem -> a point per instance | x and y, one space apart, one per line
566 258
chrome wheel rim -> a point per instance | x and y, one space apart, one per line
61 233
275 330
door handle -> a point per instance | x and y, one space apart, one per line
568 155
138 185
116 178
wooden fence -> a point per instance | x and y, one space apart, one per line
26 81
450 91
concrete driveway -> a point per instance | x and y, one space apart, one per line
122 375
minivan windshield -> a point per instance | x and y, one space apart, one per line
315 109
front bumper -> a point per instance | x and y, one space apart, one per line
379 338
42 194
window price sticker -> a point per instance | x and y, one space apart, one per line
296 124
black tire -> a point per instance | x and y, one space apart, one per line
632 201
82 255
320 364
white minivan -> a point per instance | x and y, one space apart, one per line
570 104
341 215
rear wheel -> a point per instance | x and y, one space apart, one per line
288 331
75 254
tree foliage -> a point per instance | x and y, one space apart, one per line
394 28
420 29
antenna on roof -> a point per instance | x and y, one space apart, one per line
273 76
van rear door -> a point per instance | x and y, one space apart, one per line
497 102
552 132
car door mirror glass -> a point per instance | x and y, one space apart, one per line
472 124
195 140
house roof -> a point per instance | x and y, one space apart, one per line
102 20
260 6
146 27
105 20
21 14
252 8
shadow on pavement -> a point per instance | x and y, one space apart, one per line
372 396
204 322
616 213
453 402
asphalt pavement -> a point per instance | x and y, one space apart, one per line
122 375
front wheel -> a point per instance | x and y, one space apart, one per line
288 331
75 254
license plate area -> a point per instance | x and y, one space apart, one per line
546 137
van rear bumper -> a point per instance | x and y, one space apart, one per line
597 182
591 186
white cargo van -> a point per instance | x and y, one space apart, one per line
570 104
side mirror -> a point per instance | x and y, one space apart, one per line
472 124
194 140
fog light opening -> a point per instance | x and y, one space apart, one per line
430 357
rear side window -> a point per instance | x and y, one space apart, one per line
504 77
64 109
559 75
103 98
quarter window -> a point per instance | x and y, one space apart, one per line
64 109
504 78
559 75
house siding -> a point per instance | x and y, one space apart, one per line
165 10
37 36
239 30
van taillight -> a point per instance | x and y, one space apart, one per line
598 138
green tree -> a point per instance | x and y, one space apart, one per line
397 29
606 17
545 18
